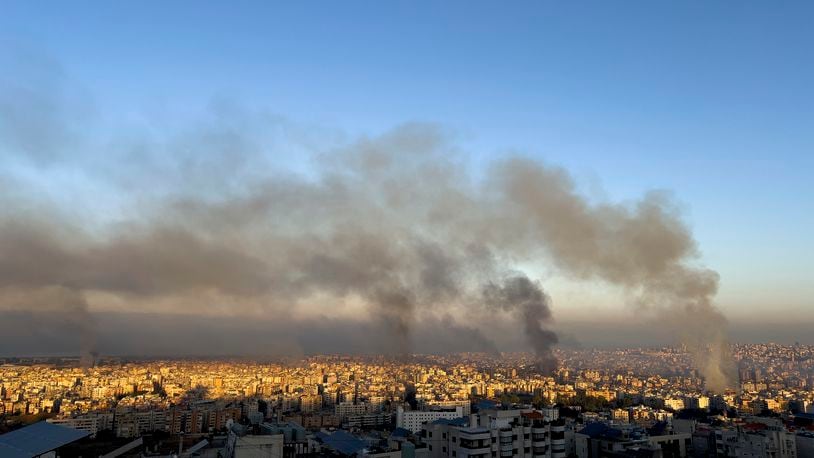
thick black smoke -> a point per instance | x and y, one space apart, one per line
398 228
527 300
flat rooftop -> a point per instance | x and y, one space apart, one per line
36 439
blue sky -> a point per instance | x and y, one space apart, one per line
712 101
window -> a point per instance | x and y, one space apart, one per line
454 439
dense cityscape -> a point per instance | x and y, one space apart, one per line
599 402
406 229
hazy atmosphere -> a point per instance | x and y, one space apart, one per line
406 229
181 193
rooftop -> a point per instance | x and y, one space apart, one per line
36 439
342 441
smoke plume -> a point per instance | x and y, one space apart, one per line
53 310
394 231
525 298
645 248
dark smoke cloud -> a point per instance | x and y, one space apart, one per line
645 248
397 225
48 311
525 298
31 333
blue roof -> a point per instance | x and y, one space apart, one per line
36 439
593 429
460 421
485 404
597 429
343 442
401 432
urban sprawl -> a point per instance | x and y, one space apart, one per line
643 402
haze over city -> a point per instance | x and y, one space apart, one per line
406 229
271 177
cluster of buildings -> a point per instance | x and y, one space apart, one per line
626 402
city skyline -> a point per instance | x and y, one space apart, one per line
630 400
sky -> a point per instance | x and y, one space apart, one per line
712 103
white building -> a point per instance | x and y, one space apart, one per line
268 445
412 420
90 422
464 404
500 433
779 444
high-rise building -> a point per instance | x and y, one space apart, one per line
499 433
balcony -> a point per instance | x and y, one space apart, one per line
475 444
481 451
539 451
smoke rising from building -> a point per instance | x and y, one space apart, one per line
401 226
527 300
